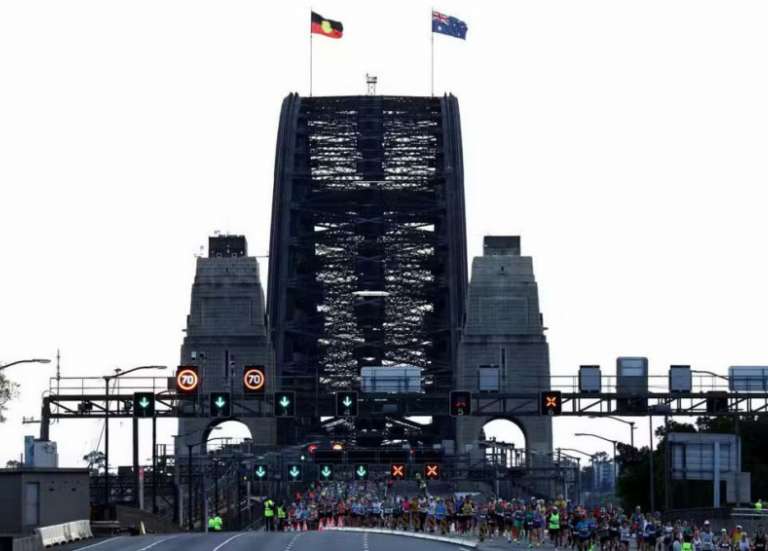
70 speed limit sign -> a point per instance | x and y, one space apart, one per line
254 380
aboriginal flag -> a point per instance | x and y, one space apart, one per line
326 27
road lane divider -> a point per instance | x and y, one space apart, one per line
225 542
158 542
97 544
443 539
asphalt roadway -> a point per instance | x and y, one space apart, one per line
264 541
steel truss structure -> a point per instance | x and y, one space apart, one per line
90 406
368 244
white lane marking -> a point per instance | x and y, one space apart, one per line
290 543
95 544
225 542
158 542
365 541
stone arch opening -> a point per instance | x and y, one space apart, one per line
225 432
506 442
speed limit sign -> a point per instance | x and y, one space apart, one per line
254 379
187 379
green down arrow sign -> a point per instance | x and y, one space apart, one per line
294 472
361 472
285 402
347 402
325 471
260 472
143 402
220 402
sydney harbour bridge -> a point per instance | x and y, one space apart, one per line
374 348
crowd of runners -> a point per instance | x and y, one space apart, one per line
530 523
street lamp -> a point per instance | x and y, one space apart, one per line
190 447
107 379
32 361
630 423
614 442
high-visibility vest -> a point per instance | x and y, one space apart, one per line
211 523
687 546
217 523
280 511
268 508
759 505
554 521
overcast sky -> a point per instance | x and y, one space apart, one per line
625 141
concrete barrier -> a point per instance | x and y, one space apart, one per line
64 533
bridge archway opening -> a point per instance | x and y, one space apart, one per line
228 432
506 442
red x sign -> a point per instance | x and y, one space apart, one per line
551 401
397 471
432 471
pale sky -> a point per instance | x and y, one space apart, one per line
625 141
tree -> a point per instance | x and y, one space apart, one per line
95 460
13 464
8 391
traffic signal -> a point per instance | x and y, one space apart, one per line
254 379
460 403
143 404
187 379
294 473
361 472
285 404
397 471
551 402
326 472
432 471
221 404
261 472
346 404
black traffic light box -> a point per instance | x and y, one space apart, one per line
346 404
221 404
432 471
261 472
397 471
143 404
325 472
285 404
294 473
460 403
551 402
361 471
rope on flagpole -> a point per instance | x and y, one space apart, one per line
310 52
432 56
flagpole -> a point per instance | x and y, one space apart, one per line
432 56
310 53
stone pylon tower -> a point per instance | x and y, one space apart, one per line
225 332
503 347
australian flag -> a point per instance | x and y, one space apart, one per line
446 24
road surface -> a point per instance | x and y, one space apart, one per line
262 541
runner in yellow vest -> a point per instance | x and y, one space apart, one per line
218 524
759 505
211 524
